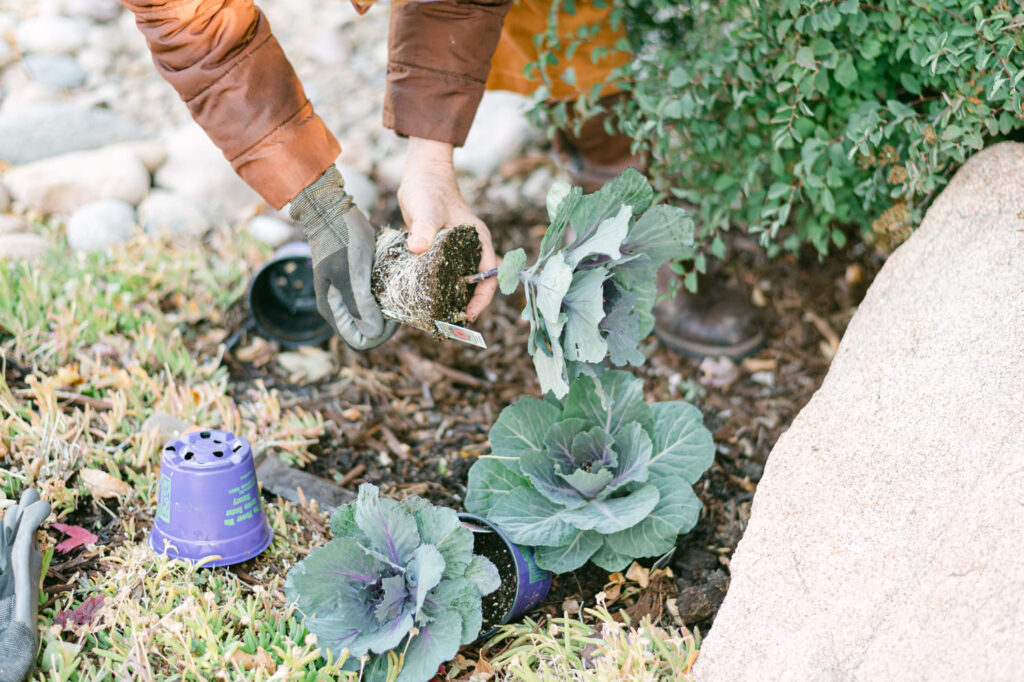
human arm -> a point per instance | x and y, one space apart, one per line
438 59
226 65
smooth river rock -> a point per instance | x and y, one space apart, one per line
100 224
39 131
50 34
886 539
22 246
166 213
63 183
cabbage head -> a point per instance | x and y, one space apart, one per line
599 475
397 577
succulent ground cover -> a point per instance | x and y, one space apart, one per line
94 346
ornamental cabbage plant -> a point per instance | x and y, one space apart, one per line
399 581
599 475
589 297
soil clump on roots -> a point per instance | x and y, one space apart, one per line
416 289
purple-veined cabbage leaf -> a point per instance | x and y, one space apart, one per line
599 475
591 298
397 577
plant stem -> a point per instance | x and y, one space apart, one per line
480 276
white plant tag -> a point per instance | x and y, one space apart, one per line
451 331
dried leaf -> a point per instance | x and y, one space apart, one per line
259 352
639 575
77 537
82 615
68 376
101 484
310 364
260 660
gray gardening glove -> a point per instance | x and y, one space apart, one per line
20 568
342 240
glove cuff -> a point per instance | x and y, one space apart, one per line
17 644
320 210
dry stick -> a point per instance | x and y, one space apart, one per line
480 276
356 471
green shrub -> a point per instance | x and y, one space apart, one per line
802 118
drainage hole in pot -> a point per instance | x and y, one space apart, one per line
189 455
218 453
498 603
204 434
237 446
169 448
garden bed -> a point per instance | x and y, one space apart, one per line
410 417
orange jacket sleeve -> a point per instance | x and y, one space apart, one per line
439 55
231 72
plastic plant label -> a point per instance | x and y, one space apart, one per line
451 331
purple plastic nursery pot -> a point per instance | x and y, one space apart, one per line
208 501
282 300
532 582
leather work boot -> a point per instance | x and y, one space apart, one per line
594 157
717 320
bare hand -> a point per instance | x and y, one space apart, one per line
431 201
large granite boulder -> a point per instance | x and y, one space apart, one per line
886 539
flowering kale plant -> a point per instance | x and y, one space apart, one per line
399 582
592 299
600 475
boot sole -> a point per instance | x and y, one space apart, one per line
698 351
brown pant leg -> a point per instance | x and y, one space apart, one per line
593 156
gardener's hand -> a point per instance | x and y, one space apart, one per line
431 201
20 573
341 240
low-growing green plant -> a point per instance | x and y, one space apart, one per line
599 476
399 582
800 117
589 296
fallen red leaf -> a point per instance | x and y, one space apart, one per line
77 537
81 615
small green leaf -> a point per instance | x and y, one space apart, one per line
846 72
805 58
508 272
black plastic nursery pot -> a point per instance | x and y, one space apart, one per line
524 585
282 300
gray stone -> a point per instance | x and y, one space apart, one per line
167 426
63 183
43 130
285 481
100 224
272 230
150 152
51 34
361 187
885 538
499 132
22 246
197 170
59 71
163 212
97 10
11 223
